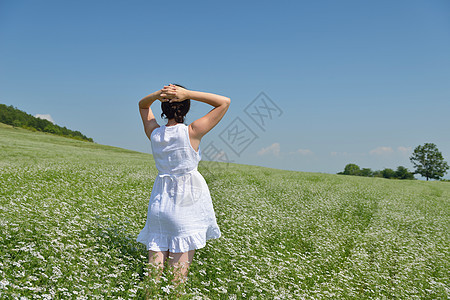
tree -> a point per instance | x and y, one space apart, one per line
352 169
403 173
16 123
366 172
377 173
388 173
429 162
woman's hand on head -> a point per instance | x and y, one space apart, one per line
176 93
166 93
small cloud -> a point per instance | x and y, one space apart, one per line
45 117
404 150
273 149
302 152
381 151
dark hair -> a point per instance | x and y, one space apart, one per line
175 110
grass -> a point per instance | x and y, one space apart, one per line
70 212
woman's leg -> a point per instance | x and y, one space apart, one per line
156 261
181 262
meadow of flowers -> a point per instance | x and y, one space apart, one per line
70 212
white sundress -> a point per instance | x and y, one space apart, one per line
180 213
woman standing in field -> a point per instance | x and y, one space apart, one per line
180 214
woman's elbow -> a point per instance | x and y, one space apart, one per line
141 104
226 104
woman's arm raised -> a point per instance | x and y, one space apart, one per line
148 119
202 126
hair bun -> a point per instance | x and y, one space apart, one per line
175 110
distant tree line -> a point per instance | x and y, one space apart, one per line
427 160
400 173
17 118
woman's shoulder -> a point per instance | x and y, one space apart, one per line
155 130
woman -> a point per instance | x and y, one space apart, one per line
180 214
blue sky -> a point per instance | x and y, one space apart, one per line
356 81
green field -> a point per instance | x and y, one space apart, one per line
70 212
